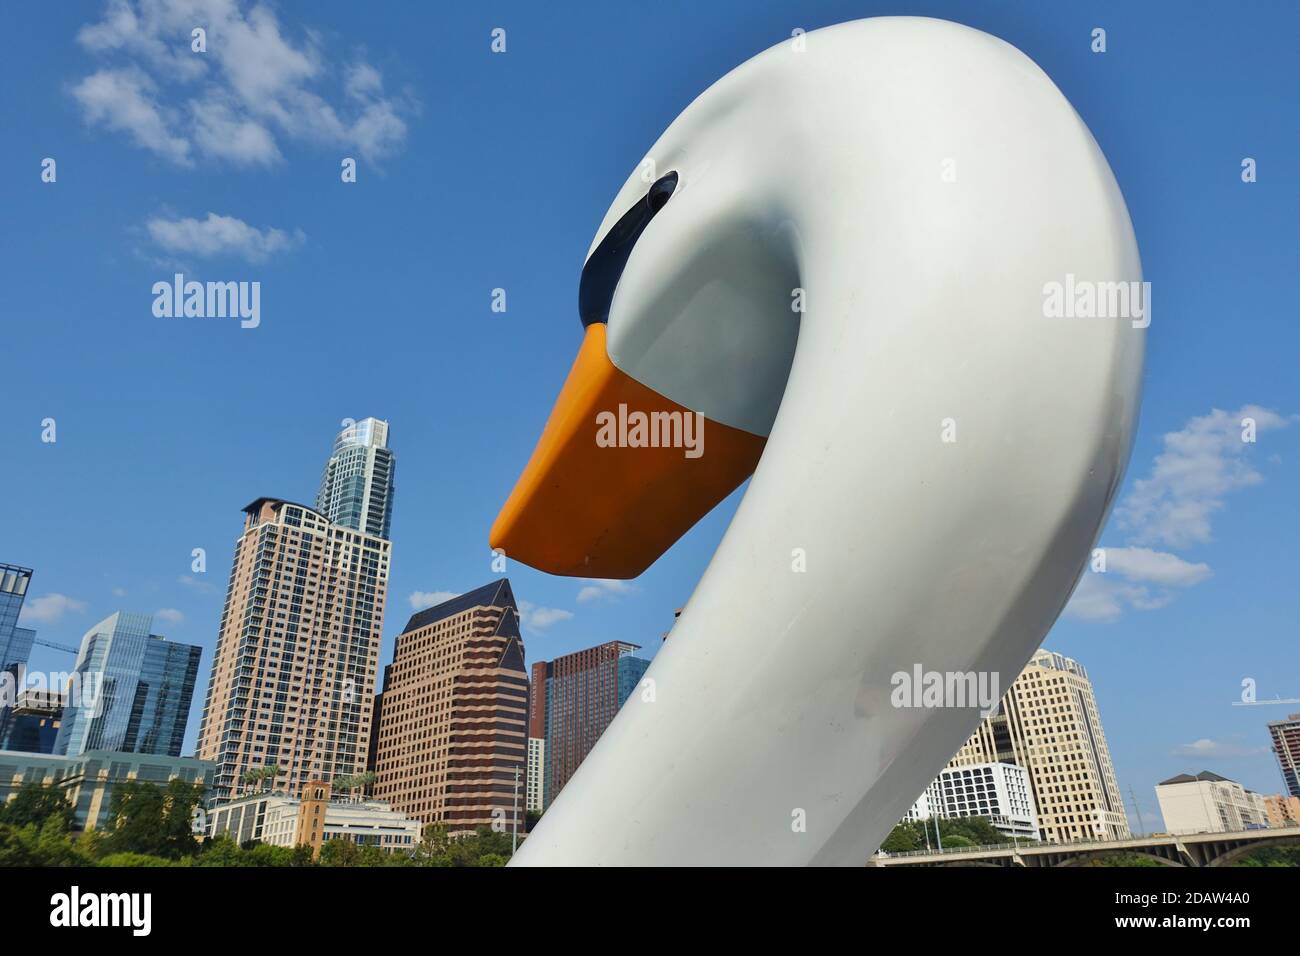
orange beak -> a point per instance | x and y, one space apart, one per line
619 474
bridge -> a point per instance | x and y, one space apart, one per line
1189 849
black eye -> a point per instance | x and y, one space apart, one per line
660 191
601 273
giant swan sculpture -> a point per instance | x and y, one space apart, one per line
935 454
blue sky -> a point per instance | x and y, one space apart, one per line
479 171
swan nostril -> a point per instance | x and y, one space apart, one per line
660 192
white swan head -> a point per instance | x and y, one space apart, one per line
842 256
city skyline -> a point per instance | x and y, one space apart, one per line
1192 607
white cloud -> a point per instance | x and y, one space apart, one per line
222 131
196 584
598 588
169 614
49 609
540 618
220 235
119 592
1137 578
124 101
1200 464
1220 749
1156 567
423 599
363 81
255 83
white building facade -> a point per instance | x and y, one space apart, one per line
998 791
272 818
535 790
1208 803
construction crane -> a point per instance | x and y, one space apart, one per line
58 647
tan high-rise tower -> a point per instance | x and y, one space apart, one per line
1048 723
293 678
453 722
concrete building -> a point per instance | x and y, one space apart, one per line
1282 810
1048 723
293 678
1208 803
88 778
281 820
998 791
1286 747
572 700
453 714
356 487
134 690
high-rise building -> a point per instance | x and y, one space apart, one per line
536 786
574 698
1048 723
133 690
15 641
998 791
453 719
1208 803
356 487
293 678
1286 747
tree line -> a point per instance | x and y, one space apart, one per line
149 825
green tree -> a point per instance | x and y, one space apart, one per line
220 851
36 803
434 848
48 844
906 836
340 852
1123 859
978 831
146 819
137 859
1271 856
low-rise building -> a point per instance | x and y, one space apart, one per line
1208 803
89 778
273 818
1282 810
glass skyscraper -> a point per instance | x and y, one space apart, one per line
15 641
134 690
356 488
